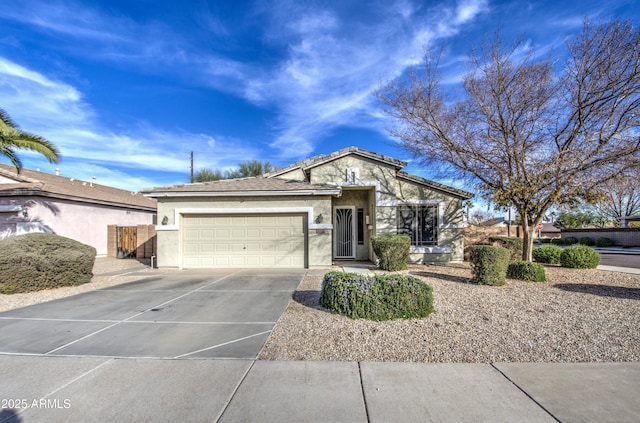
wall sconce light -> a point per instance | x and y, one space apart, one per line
165 220
320 218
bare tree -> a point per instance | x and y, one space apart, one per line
528 133
619 197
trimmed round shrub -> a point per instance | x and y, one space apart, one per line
37 261
587 240
379 297
549 254
513 244
570 240
604 242
557 241
526 271
392 251
489 264
580 257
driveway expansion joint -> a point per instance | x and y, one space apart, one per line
525 392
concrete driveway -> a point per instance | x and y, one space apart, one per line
186 314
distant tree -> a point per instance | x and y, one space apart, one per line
528 134
250 168
206 174
575 219
13 138
479 218
619 197
245 169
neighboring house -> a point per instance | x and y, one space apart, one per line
498 222
624 221
34 201
308 214
549 231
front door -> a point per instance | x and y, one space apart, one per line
344 233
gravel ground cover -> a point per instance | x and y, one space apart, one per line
577 316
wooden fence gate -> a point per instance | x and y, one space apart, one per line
126 241
131 241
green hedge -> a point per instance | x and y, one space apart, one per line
549 254
380 297
526 271
587 240
580 257
570 240
37 261
557 241
514 245
489 264
603 241
392 251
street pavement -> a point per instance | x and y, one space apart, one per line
97 389
620 257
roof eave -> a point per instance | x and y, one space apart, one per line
437 186
39 193
309 192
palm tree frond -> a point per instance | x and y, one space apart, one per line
12 137
8 152
6 120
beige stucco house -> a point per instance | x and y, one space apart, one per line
34 201
308 214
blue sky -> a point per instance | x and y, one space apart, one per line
127 89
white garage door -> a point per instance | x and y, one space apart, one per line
211 241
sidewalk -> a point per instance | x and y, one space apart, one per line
88 389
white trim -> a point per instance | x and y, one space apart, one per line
10 208
452 226
239 193
430 250
256 210
396 203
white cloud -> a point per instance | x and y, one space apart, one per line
57 111
335 64
467 10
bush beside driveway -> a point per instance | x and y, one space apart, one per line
106 272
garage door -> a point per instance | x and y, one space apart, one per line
212 241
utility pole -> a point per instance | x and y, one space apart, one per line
192 167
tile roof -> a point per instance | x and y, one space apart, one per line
243 185
32 182
436 185
324 158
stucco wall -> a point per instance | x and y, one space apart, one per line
169 235
293 175
360 198
386 192
82 222
370 172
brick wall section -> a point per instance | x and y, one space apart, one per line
112 246
620 236
146 241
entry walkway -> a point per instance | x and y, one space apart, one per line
97 389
